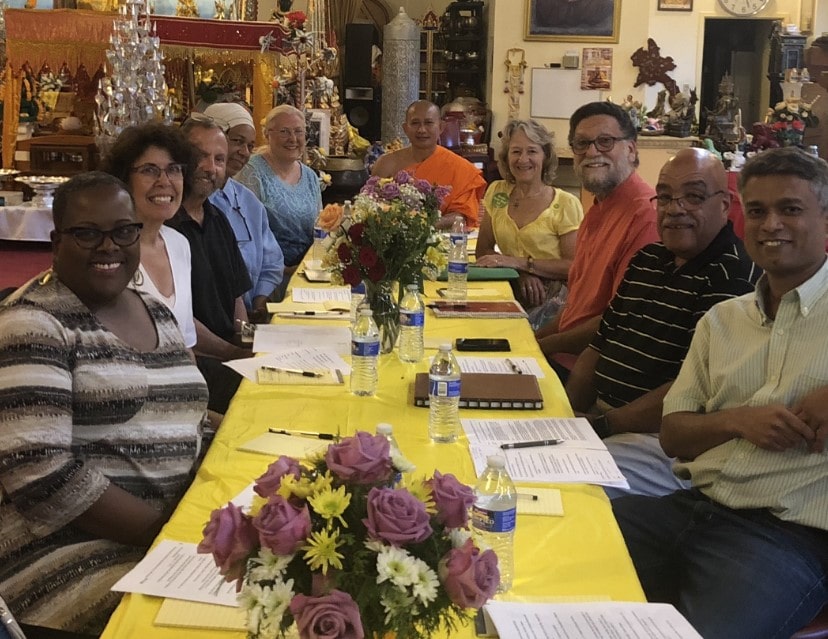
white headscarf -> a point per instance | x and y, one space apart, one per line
229 113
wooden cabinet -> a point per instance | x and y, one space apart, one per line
465 49
433 67
62 154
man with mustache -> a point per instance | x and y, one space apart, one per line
620 380
617 225
219 276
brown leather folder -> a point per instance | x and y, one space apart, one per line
489 391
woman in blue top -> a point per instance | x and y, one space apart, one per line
288 188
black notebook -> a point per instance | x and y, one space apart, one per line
499 391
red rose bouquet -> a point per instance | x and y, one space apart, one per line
391 234
341 550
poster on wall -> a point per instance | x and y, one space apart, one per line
596 70
573 20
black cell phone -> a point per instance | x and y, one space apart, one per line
482 344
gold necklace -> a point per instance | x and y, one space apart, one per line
517 199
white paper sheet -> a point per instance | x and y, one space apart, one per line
554 464
575 432
599 620
321 295
306 359
174 569
276 338
527 365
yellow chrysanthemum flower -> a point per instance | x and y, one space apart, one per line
320 551
257 504
420 491
291 486
330 504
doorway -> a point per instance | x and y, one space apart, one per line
740 48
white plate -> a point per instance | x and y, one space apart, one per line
317 275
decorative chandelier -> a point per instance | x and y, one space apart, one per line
133 89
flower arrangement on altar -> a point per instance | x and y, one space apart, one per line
343 550
391 234
788 120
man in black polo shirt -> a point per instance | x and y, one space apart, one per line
219 276
619 382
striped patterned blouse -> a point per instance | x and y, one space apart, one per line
79 409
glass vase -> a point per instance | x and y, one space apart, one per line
383 298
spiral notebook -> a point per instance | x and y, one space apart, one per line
489 391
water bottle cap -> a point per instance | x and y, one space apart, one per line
413 287
496 461
384 429
445 347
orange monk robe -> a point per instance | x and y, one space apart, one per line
445 168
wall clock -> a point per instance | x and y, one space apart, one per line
743 7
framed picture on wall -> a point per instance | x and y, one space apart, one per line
675 5
573 20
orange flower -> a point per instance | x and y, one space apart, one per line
330 217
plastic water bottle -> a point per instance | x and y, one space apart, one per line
494 516
347 213
444 396
412 321
458 271
357 296
319 237
387 431
365 348
458 230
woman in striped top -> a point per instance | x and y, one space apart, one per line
100 412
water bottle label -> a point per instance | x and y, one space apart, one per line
319 233
441 388
365 349
494 521
416 318
359 289
457 237
458 267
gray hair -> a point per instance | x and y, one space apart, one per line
537 134
275 112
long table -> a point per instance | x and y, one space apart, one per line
580 555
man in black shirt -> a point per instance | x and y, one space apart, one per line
219 276
619 382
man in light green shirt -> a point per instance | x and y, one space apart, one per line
744 552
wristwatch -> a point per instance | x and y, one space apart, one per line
530 264
600 426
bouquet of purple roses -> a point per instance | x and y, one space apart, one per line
341 550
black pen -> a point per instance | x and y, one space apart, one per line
515 368
539 442
301 433
301 313
292 371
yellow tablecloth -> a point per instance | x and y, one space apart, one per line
581 554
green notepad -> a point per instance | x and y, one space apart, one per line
483 274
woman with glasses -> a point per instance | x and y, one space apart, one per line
533 224
288 188
152 160
100 413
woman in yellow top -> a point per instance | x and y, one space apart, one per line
531 223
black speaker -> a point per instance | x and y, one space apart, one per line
359 38
364 111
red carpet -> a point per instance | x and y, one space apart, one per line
20 261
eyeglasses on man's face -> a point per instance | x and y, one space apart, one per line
687 201
603 143
151 171
286 133
90 238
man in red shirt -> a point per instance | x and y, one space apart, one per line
621 221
